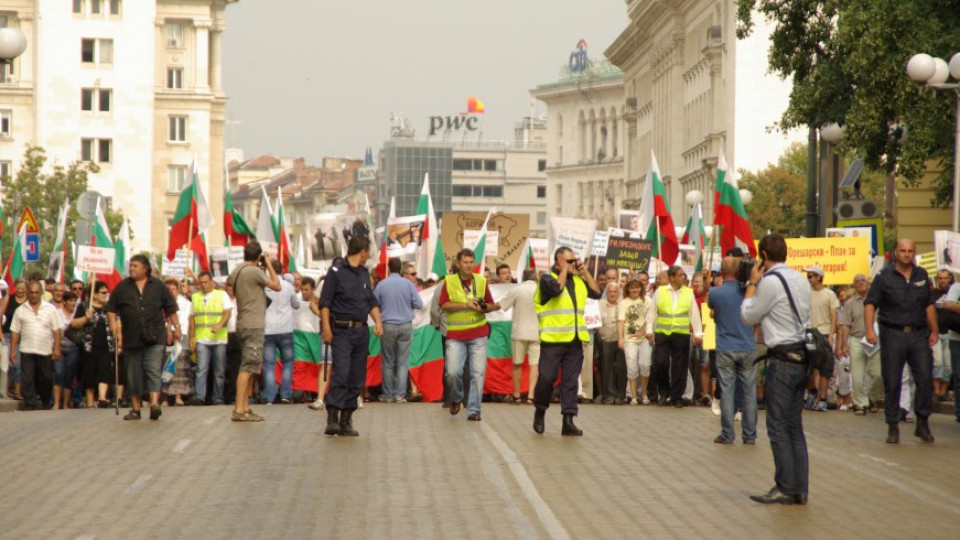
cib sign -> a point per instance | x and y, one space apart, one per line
578 58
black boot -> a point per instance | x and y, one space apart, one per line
923 430
569 428
538 420
346 424
893 433
333 422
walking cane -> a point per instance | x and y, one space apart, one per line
326 363
116 372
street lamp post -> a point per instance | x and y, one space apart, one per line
12 45
934 73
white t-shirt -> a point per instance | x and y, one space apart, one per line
303 318
36 329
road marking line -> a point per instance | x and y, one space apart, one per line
550 522
86 537
210 420
492 472
181 446
138 484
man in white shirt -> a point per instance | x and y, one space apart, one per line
824 305
673 312
524 335
211 309
278 334
36 330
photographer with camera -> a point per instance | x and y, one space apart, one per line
560 298
466 299
780 303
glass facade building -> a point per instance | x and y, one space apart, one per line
402 164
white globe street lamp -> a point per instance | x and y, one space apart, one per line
12 45
934 73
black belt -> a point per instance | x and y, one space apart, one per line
904 328
792 353
348 324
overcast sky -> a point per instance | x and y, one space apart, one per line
320 78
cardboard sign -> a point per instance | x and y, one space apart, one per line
626 253
98 260
840 258
511 230
591 313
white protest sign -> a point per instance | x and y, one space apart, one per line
541 254
98 260
470 238
591 313
600 239
178 266
576 234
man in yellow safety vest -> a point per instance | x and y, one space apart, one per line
208 337
672 314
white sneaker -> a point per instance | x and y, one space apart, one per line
645 400
738 416
715 406
400 399
317 405
359 402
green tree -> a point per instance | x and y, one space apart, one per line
45 194
847 61
779 194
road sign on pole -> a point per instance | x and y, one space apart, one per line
32 247
28 218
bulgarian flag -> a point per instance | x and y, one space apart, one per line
58 256
480 248
655 213
730 213
382 259
198 246
77 274
102 238
18 258
431 257
122 251
284 251
266 228
527 260
191 217
694 234
236 232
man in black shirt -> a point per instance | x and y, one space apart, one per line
141 301
345 301
908 329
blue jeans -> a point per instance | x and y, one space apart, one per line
395 346
458 353
65 370
783 393
218 353
737 378
14 372
272 342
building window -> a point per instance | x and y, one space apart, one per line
541 218
6 168
96 51
490 165
114 7
462 165
177 131
176 177
174 32
541 192
78 6
175 78
462 191
6 123
95 7
98 150
542 165
493 191
102 97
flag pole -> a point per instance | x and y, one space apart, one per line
656 220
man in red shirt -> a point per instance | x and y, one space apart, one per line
466 299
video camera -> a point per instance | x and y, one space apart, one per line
746 268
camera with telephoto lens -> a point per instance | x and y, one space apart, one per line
746 268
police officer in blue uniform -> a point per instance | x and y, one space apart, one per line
345 301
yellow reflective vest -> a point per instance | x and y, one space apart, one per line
560 320
466 319
670 320
205 315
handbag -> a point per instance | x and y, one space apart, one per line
818 351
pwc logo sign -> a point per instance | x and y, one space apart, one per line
579 62
466 120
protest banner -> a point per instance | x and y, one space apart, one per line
627 253
576 234
946 245
540 253
629 220
591 313
403 236
178 266
840 258
354 224
511 233
600 239
324 241
98 260
853 232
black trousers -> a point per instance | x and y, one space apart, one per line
565 360
234 353
36 374
671 356
898 348
348 369
613 369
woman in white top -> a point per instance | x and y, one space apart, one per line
631 326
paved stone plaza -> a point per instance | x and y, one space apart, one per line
417 472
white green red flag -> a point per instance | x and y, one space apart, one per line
236 232
694 234
382 258
431 257
284 250
192 216
480 248
527 259
730 213
58 255
655 221
266 228
17 259
102 238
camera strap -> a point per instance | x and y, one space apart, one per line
789 297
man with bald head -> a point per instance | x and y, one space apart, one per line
908 329
736 350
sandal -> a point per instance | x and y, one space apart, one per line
510 399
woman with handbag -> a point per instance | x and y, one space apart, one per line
96 347
65 370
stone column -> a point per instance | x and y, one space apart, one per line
216 34
202 28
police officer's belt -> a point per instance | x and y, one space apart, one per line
348 324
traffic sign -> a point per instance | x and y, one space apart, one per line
28 218
33 247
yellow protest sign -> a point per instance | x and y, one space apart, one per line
840 258
709 328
